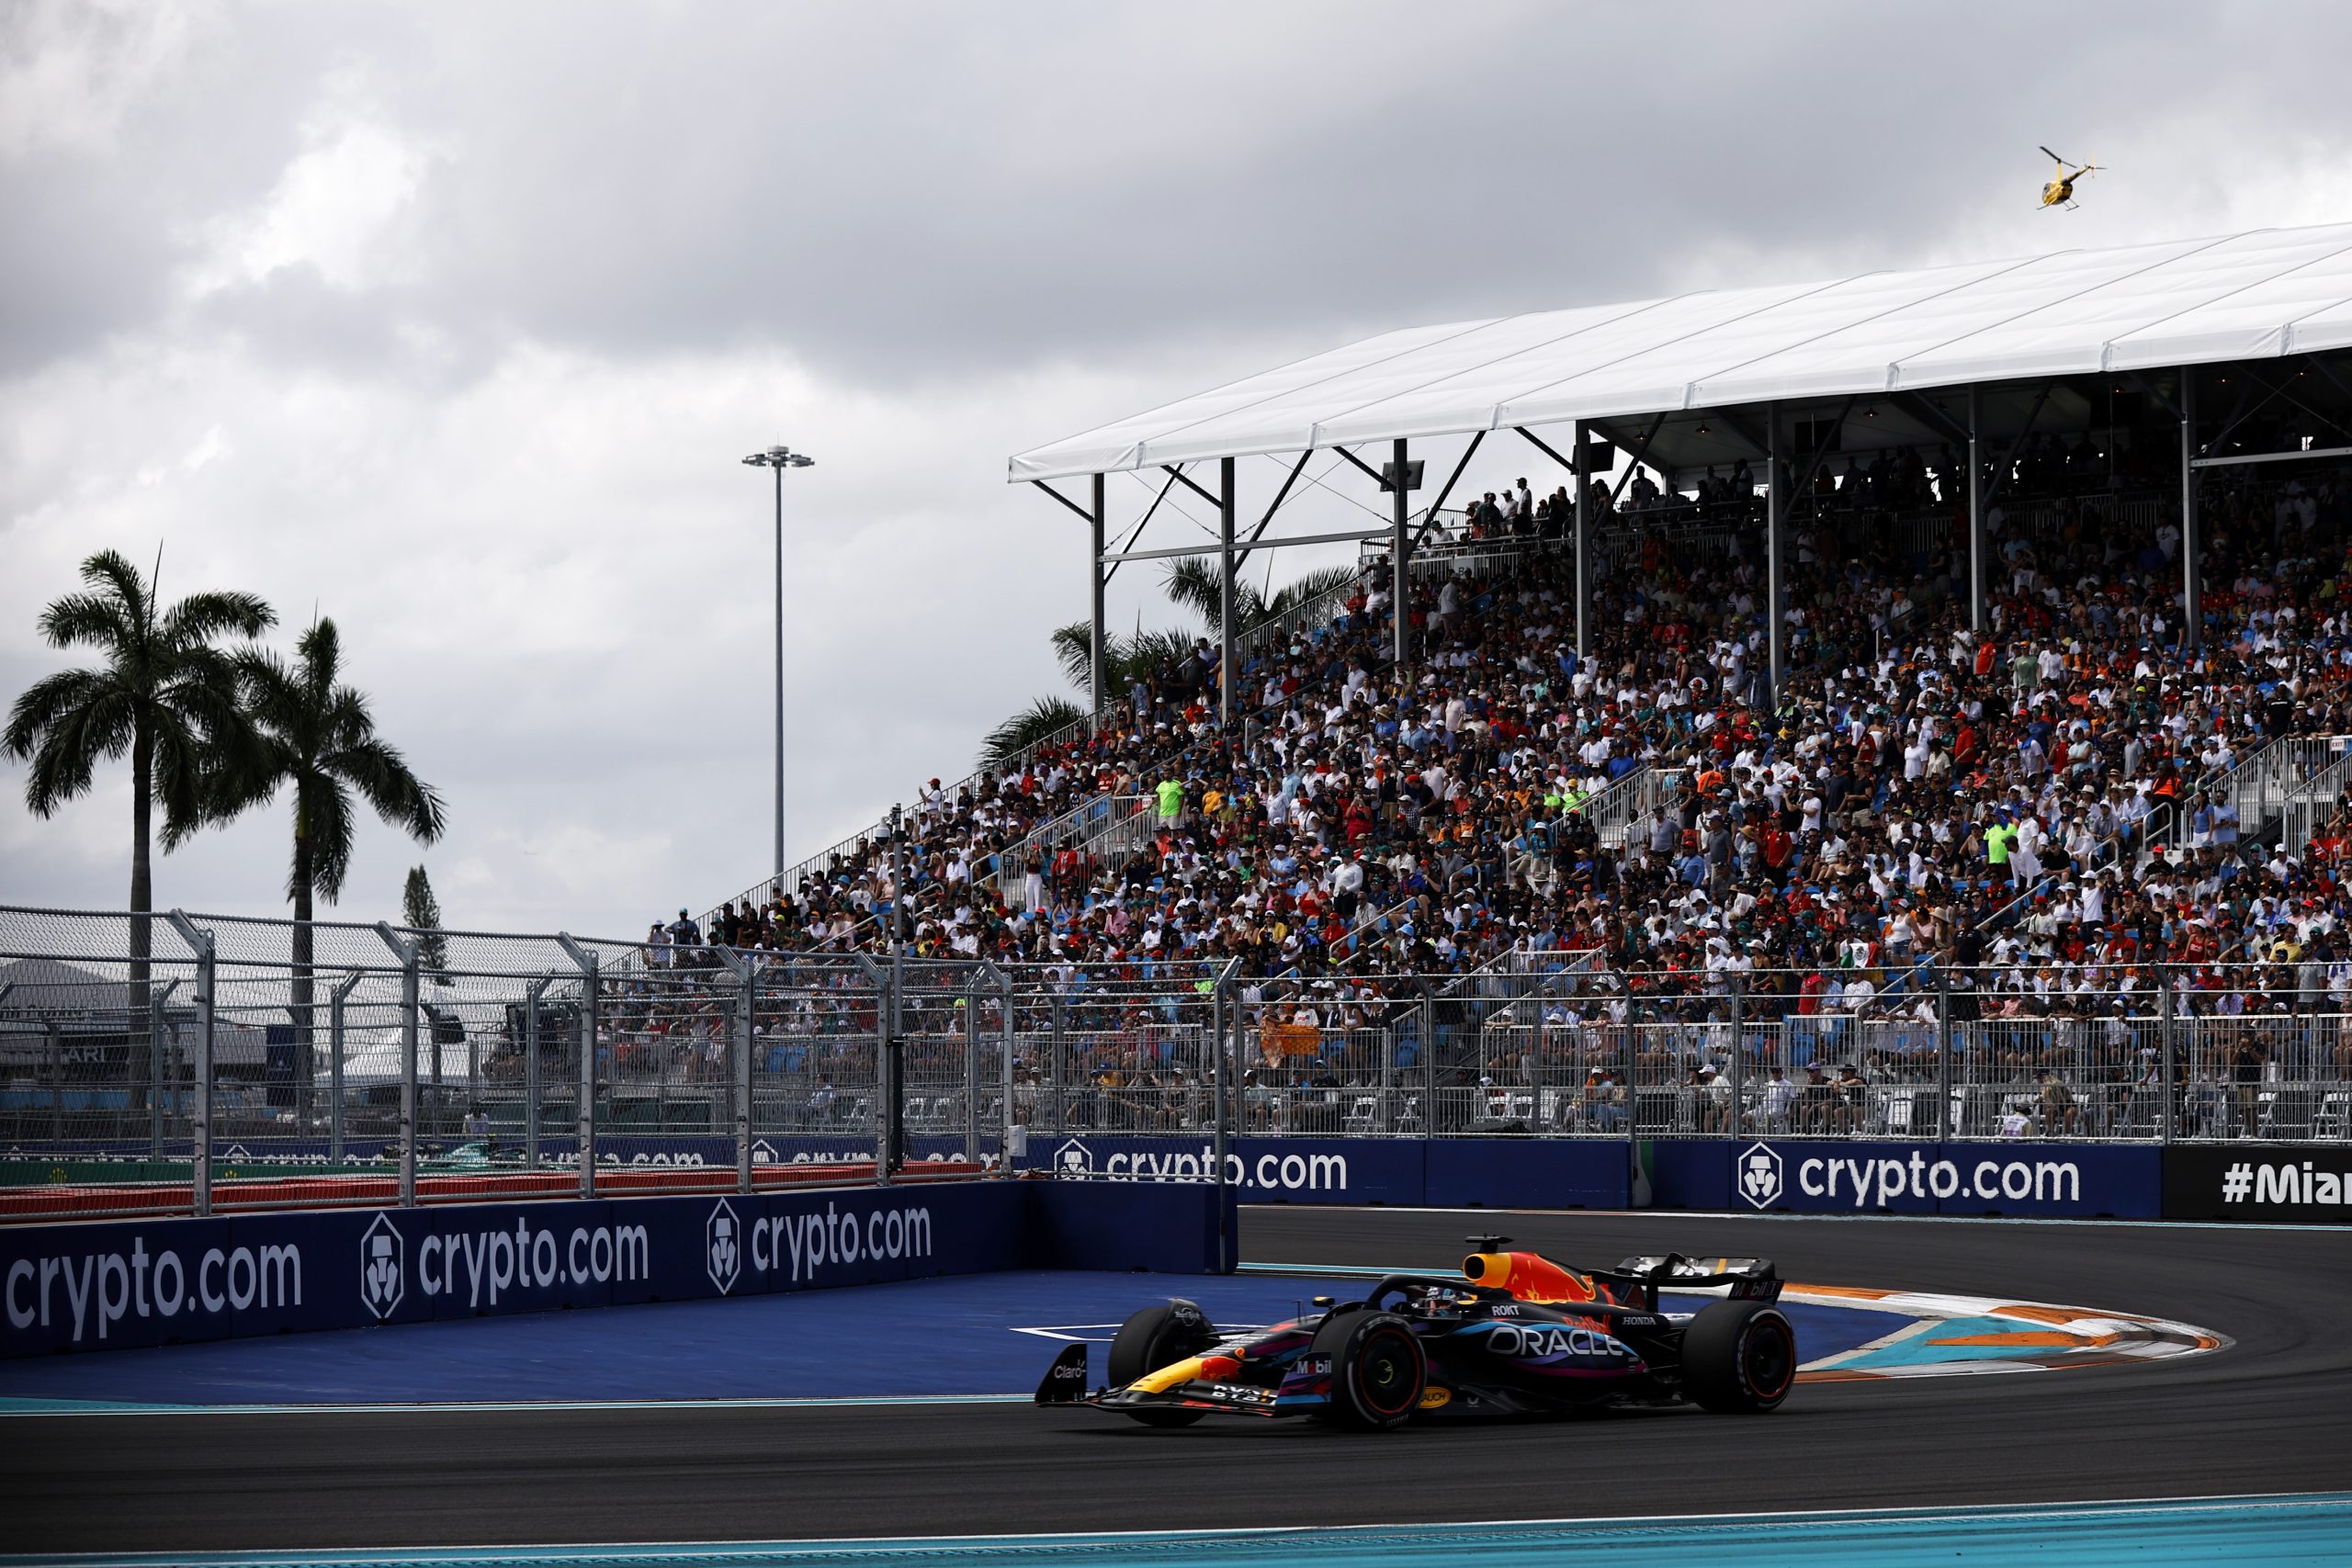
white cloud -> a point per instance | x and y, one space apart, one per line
339 207
71 72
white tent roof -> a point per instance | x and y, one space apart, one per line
2253 296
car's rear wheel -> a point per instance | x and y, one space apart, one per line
1739 1358
1378 1370
1155 1337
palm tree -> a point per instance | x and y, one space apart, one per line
166 695
318 739
1032 724
1194 582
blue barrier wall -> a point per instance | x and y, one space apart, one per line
2078 1180
125 1284
1559 1173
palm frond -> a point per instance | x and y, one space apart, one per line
1027 728
1196 585
1074 650
1309 585
198 619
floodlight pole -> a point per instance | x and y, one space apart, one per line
780 458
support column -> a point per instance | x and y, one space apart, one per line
740 1008
1220 1017
1399 568
338 1000
586 963
2192 605
1584 555
972 994
1775 507
1229 672
1975 522
531 1070
1094 568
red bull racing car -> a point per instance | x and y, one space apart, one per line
1515 1334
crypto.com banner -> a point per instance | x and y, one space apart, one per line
2076 1180
133 1282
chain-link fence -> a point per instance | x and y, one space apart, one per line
201 1062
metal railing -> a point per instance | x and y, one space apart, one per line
225 1064
1104 830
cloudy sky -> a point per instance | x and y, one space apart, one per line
451 321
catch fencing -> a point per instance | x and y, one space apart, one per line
202 1063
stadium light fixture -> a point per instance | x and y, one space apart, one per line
779 458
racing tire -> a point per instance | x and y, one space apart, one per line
1155 1337
1378 1369
1739 1358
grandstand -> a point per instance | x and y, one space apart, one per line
1979 627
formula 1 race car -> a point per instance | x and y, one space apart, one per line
1516 1334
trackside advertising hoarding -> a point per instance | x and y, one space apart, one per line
1556 1173
128 1283
2064 1180
2307 1182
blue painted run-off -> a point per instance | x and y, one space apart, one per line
962 1335
2278 1532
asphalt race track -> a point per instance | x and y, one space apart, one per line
2271 1414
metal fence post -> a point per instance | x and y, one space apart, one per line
1631 1078
745 1066
201 1119
157 1001
335 1001
1057 1058
405 951
1944 1130
1737 1081
1428 1063
972 1070
745 969
2164 1030
587 1134
886 1017
531 1091
1221 1020
1005 1151
1222 1017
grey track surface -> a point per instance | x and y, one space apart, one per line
2272 1414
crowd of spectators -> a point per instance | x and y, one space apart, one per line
2038 809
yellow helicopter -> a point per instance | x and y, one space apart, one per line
2059 192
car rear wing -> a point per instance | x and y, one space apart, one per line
1743 1279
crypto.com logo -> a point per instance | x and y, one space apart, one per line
383 1267
1073 1158
723 1246
1760 1175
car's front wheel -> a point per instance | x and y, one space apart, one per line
1378 1370
1739 1358
1155 1337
